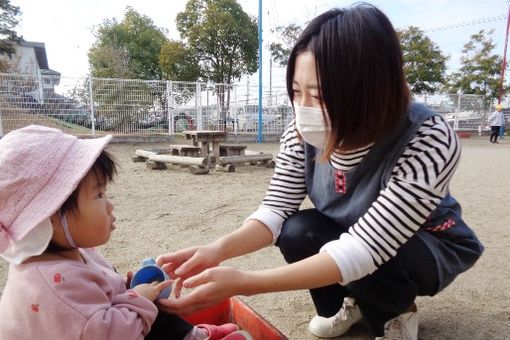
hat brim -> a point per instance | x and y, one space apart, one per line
73 168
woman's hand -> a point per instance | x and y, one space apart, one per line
210 287
151 290
190 261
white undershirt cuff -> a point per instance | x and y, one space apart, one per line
351 257
270 219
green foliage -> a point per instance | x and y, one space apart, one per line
480 71
288 35
130 48
424 63
110 61
224 40
8 21
117 96
222 37
178 63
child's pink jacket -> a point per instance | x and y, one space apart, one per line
67 300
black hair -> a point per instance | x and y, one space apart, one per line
105 168
359 66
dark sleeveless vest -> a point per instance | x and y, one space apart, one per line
346 196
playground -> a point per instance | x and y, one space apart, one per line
164 210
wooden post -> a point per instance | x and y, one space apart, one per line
198 170
225 168
216 149
138 159
270 164
155 165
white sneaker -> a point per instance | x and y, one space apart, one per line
403 327
338 324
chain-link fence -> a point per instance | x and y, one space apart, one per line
95 106
465 112
32 99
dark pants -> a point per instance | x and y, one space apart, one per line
168 327
381 296
494 134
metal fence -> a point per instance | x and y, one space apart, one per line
464 112
92 106
96 106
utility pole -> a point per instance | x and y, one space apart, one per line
247 91
270 85
259 134
503 67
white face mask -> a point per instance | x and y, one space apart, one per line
311 125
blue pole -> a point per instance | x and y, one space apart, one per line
259 132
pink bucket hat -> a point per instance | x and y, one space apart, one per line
40 168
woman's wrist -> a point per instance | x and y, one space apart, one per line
252 236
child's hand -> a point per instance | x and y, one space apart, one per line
151 290
129 277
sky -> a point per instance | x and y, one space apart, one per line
66 26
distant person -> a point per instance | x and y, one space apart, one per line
496 120
502 129
53 211
384 228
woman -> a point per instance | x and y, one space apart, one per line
377 169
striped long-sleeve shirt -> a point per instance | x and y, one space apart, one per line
419 181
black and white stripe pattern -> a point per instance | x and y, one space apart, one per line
418 182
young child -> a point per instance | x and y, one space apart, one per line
53 210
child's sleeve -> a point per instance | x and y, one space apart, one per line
94 298
129 316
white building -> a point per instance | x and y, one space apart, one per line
31 62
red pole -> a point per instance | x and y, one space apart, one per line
503 67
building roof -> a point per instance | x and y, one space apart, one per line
50 72
40 53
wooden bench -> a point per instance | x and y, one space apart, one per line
227 163
232 150
174 150
185 150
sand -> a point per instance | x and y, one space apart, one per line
164 210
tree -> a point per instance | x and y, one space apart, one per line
10 64
131 48
224 40
480 71
111 61
424 63
178 62
288 36
222 36
8 21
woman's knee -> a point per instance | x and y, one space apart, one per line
294 237
304 233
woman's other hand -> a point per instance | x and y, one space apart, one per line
209 288
190 261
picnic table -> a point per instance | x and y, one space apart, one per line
206 140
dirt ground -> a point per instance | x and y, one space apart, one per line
164 210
